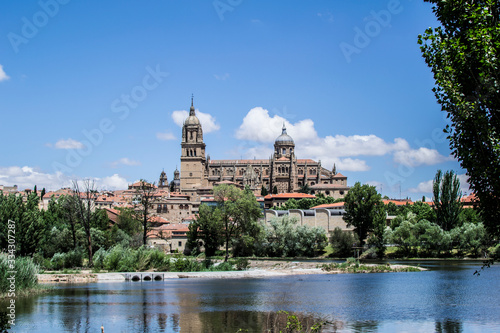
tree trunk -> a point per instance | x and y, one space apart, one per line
89 242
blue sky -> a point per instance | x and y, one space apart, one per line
99 89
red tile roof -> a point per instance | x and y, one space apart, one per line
398 202
332 186
289 196
332 205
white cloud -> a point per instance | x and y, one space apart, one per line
125 161
348 164
420 156
258 126
114 182
165 136
3 75
207 121
27 177
222 77
68 144
426 186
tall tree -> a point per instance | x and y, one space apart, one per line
463 54
362 204
207 228
447 195
144 206
240 212
85 196
69 204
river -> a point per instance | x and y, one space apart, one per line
446 298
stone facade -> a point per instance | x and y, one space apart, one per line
282 172
328 219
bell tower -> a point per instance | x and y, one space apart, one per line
193 160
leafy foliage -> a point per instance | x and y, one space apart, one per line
239 212
342 242
447 195
363 205
206 228
283 238
463 54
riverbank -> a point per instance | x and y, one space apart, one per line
257 269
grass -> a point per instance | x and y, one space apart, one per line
26 281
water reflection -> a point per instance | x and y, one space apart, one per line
445 299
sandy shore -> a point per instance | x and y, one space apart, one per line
257 269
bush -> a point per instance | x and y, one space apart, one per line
470 238
283 238
223 266
98 258
242 264
342 242
495 252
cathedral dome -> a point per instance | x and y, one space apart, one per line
284 138
192 119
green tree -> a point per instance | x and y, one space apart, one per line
447 195
239 213
376 239
362 205
275 189
69 208
84 197
207 228
128 222
470 238
404 235
263 191
29 224
143 206
463 54
342 242
305 189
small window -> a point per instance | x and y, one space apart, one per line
180 243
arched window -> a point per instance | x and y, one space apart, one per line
284 151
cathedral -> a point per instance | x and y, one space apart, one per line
283 172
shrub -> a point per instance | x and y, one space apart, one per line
242 264
342 242
495 251
99 257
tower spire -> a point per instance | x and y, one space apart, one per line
191 110
283 130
